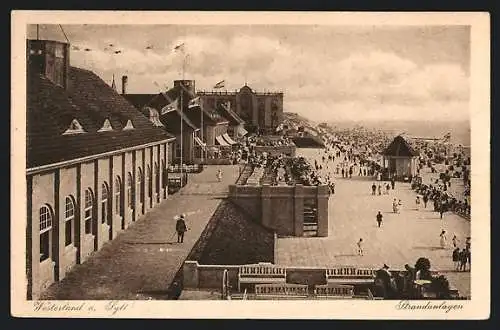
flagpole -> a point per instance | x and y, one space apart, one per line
202 151
182 137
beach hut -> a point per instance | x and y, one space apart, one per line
399 159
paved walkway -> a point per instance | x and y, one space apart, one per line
403 238
142 262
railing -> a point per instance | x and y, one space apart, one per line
193 168
281 289
350 272
261 274
262 269
334 290
176 183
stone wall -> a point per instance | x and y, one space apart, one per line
281 208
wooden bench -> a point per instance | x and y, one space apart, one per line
350 275
337 291
261 273
281 290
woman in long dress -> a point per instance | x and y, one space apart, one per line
442 241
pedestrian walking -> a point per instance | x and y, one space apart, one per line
467 252
343 172
395 206
219 175
393 183
399 206
455 241
425 199
467 243
442 209
374 189
379 190
456 258
463 260
360 247
180 228
442 240
387 188
417 203
379 218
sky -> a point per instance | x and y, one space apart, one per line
326 72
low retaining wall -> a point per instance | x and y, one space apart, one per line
198 276
281 208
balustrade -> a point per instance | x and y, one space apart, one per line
281 289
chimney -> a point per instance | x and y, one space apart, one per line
50 59
124 84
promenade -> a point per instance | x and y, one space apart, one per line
402 238
142 261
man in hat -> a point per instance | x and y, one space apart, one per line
181 228
379 218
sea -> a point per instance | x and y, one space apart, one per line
460 130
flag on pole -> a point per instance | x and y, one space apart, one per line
220 84
196 102
170 107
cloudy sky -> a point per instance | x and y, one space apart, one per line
326 72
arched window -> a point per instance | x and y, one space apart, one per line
69 217
118 195
140 182
150 181
104 202
89 210
130 182
45 214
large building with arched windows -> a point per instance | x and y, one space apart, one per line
94 164
259 110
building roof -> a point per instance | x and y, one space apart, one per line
233 117
399 147
88 99
170 120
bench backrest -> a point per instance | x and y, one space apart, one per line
262 271
348 272
334 290
281 289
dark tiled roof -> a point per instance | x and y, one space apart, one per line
399 147
171 120
172 123
88 99
194 114
233 117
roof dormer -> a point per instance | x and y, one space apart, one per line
129 126
74 128
106 126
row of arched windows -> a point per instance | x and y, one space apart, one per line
46 213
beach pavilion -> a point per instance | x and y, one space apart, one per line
400 160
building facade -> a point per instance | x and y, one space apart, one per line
94 165
260 110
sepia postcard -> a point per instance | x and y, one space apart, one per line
212 164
